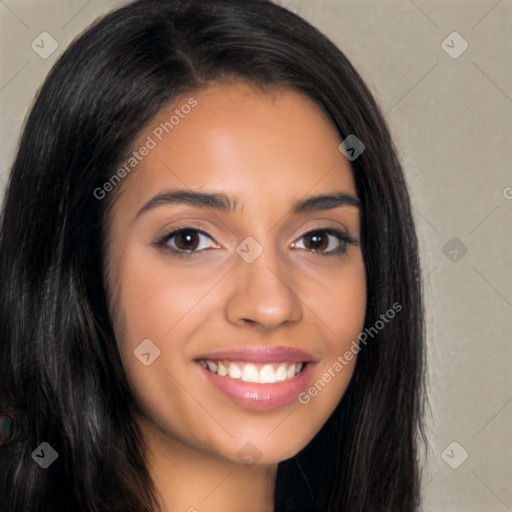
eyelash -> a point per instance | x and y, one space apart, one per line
344 238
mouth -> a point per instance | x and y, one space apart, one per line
258 377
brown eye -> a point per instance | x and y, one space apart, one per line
316 241
186 240
325 242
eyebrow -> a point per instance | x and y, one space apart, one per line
222 202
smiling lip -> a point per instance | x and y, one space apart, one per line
254 354
255 395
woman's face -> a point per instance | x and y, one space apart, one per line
262 284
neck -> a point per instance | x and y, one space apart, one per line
188 479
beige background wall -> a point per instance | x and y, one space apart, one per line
450 112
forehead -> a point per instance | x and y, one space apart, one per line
235 138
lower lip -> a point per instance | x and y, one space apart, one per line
261 396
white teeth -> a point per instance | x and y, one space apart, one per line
281 373
212 366
234 371
248 372
267 375
222 370
291 370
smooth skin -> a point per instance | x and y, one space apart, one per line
267 150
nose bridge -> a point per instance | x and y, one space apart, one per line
263 287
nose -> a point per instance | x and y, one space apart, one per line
263 293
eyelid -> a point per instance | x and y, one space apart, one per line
331 226
323 226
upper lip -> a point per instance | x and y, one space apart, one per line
260 354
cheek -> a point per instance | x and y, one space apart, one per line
340 306
156 302
167 304
337 298
154 297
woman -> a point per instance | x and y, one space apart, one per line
210 292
